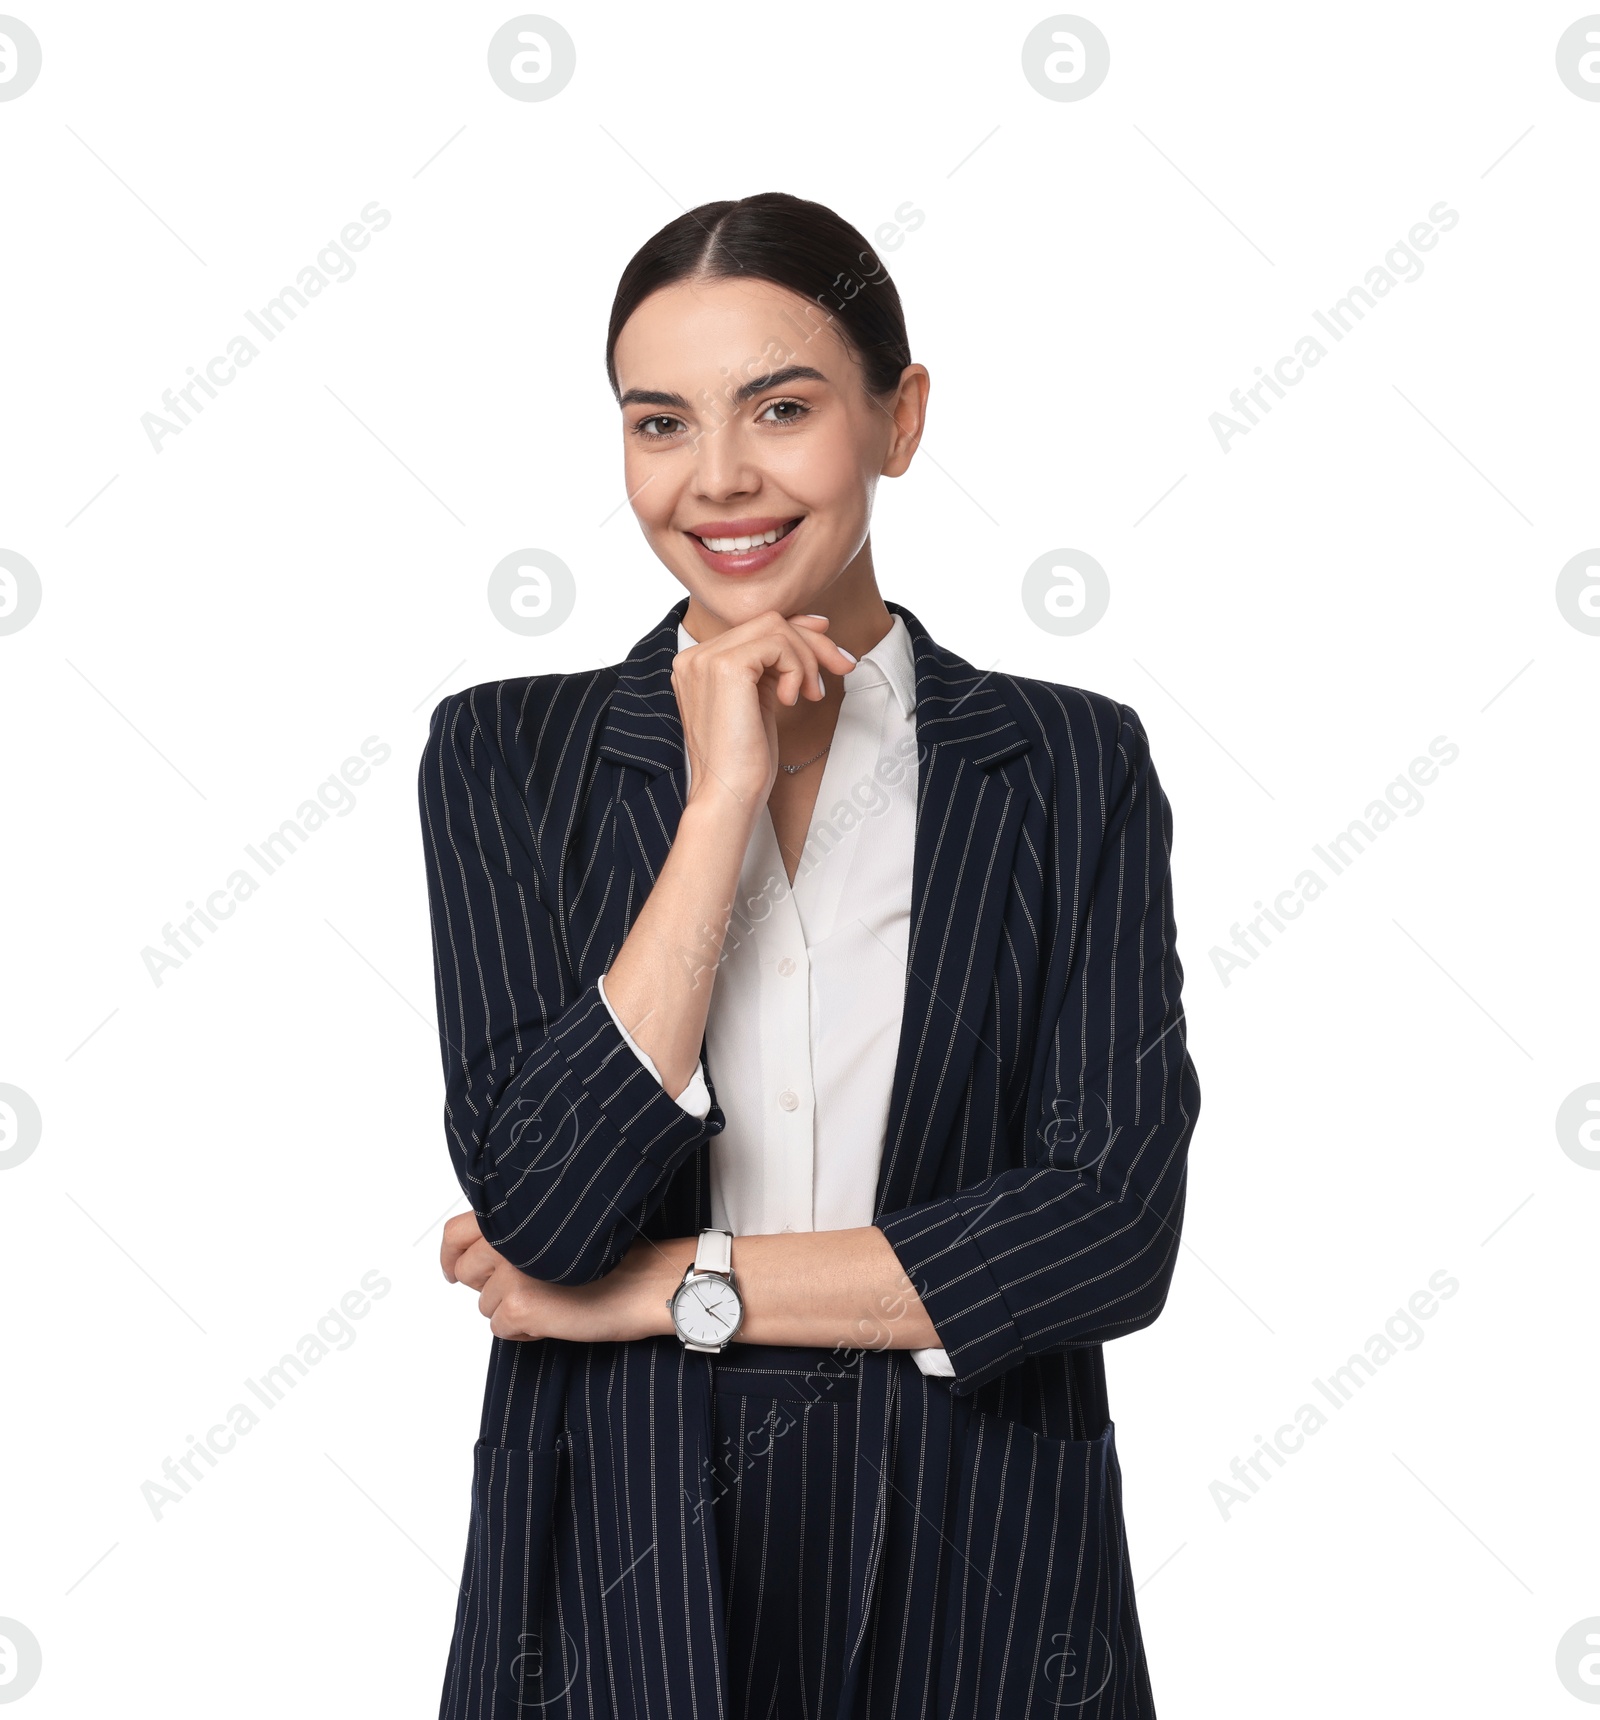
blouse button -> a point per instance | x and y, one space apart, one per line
786 966
788 1098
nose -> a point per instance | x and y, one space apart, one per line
723 467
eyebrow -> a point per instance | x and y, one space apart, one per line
758 385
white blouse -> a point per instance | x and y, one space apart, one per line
804 1022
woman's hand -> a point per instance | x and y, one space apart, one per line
728 691
629 1302
516 1305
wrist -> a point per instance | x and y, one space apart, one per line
718 810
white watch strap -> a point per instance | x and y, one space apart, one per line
715 1252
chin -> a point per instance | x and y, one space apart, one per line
739 597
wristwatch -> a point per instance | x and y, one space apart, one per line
707 1308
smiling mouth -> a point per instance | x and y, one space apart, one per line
741 545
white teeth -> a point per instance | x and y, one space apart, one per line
736 545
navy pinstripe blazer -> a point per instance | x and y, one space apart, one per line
1032 1186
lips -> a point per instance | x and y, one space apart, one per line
753 534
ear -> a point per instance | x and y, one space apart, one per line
908 410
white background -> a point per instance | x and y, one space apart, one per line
226 1154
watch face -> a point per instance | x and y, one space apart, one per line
706 1310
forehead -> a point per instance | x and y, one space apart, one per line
695 330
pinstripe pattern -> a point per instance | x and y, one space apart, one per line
785 1450
1032 1185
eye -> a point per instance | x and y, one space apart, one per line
796 408
645 433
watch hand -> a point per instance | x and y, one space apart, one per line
716 1314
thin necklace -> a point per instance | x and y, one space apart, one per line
792 768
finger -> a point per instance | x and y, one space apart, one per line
801 665
807 633
788 656
459 1233
462 1224
815 648
816 627
506 1324
769 646
796 672
476 1264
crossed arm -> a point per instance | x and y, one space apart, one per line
823 1287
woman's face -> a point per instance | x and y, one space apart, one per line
744 415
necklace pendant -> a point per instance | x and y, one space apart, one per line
792 768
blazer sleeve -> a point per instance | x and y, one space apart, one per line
1078 1244
560 1137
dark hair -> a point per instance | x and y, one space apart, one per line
791 242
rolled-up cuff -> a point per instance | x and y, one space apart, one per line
948 1271
629 1103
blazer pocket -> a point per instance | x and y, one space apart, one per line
496 1657
1033 1613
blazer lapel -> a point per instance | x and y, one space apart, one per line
971 791
643 734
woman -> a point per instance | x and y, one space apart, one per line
796 929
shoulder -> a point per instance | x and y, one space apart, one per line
1065 726
523 720
519 751
514 758
538 720
1088 763
1051 711
1076 730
